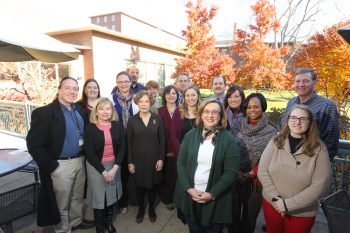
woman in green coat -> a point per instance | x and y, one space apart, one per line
207 166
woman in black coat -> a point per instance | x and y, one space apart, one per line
146 151
104 148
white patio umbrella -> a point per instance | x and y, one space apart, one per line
26 46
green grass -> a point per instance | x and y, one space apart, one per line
274 99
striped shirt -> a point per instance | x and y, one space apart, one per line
326 115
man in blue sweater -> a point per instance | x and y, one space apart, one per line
325 111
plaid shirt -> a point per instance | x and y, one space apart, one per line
327 118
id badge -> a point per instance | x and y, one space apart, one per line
81 142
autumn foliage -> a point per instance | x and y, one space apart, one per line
202 61
28 81
329 55
263 64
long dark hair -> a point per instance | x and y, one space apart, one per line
84 98
167 90
232 90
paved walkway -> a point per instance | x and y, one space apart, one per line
167 221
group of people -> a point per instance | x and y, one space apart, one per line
216 161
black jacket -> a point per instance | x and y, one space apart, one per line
45 141
94 143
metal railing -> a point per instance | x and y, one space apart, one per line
15 117
341 167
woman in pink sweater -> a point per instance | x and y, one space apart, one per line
294 171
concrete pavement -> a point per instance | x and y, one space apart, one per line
167 221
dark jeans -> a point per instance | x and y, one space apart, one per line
169 182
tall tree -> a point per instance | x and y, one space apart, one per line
329 55
202 61
263 64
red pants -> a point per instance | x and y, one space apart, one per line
275 223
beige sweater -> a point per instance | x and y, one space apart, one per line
300 185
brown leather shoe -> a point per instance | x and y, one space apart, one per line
152 219
139 219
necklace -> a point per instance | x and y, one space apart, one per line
192 122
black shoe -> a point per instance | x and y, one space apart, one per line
263 228
140 215
152 215
84 225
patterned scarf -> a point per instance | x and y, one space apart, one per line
234 120
206 132
125 103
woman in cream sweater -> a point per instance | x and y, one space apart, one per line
294 171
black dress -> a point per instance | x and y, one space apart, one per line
187 125
146 145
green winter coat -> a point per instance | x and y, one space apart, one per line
225 166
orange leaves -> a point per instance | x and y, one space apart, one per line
202 61
264 65
329 54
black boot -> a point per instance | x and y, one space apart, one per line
99 220
109 211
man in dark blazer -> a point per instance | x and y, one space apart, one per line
54 141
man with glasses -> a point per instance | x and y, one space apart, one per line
324 111
54 141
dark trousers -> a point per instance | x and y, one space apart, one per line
253 208
123 201
195 226
169 182
240 208
151 194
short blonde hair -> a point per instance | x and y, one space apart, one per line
101 102
141 94
223 118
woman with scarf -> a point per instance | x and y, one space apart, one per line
207 166
233 103
255 134
123 101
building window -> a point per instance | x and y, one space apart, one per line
113 27
98 20
105 19
113 18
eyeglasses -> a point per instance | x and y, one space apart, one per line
301 119
214 113
123 82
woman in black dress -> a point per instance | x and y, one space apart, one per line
189 109
146 151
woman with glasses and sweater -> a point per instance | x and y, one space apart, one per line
207 166
294 171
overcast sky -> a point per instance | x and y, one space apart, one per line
50 15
